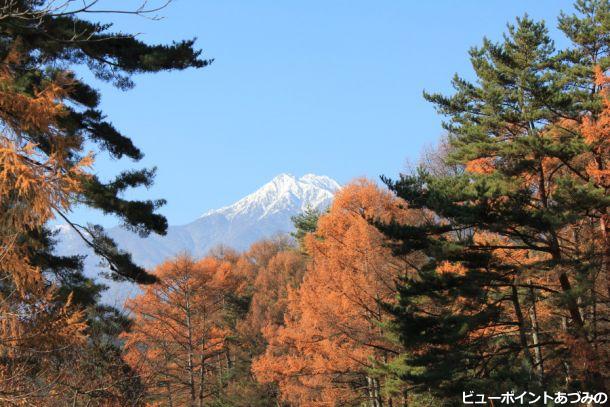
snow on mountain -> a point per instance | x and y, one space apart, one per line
283 193
264 213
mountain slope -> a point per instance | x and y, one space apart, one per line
264 213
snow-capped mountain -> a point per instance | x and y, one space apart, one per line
264 213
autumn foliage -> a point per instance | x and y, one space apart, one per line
333 331
31 186
487 268
52 327
178 340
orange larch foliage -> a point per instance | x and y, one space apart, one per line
283 272
537 284
480 166
270 268
32 186
333 328
596 133
179 335
591 168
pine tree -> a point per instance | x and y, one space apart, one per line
305 223
49 116
509 295
41 40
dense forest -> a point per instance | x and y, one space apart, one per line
482 275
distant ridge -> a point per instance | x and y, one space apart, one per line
263 213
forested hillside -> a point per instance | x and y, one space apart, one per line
482 276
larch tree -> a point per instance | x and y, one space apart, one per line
283 272
49 116
333 331
267 270
178 337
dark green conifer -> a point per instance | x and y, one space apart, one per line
44 42
513 117
49 38
305 223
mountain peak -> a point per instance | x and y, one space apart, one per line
280 183
283 177
264 213
321 181
283 192
289 181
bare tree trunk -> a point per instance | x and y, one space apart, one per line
219 374
521 323
374 396
202 365
191 351
201 376
535 336
228 359
369 390
377 391
168 387
566 365
604 225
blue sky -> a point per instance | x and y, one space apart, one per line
329 87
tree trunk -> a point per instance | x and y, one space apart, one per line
566 365
605 232
202 364
168 387
535 337
191 351
377 387
369 391
521 323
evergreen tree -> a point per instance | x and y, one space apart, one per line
305 223
40 42
49 116
508 295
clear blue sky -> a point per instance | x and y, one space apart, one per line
329 87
